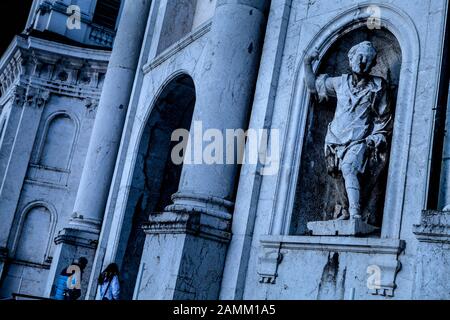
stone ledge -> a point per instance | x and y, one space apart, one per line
384 254
351 227
335 244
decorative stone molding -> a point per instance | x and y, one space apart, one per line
384 254
79 222
333 244
91 104
52 67
19 93
36 97
268 264
77 237
196 202
388 267
434 227
194 223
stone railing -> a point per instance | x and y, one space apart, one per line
101 36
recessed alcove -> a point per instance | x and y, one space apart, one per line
155 176
315 195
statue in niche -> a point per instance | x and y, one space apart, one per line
356 143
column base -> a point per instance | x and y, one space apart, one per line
86 224
183 257
71 244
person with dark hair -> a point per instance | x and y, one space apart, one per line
109 283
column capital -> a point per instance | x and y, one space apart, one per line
36 96
19 94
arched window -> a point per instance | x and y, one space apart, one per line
34 235
59 138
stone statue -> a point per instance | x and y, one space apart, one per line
357 137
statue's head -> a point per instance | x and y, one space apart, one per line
362 58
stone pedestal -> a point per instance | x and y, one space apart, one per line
183 256
72 244
351 227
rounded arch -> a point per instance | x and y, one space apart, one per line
44 144
53 220
402 27
153 177
165 86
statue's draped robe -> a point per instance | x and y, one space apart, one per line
362 112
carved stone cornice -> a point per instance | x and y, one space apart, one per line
36 97
90 103
76 237
19 94
192 223
434 227
52 67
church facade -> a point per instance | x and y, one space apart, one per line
180 140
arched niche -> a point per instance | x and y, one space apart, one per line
57 141
155 177
36 228
315 193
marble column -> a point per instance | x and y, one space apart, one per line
107 131
80 237
185 246
223 101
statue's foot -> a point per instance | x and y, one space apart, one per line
344 215
355 213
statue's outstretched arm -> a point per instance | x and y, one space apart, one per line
310 76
